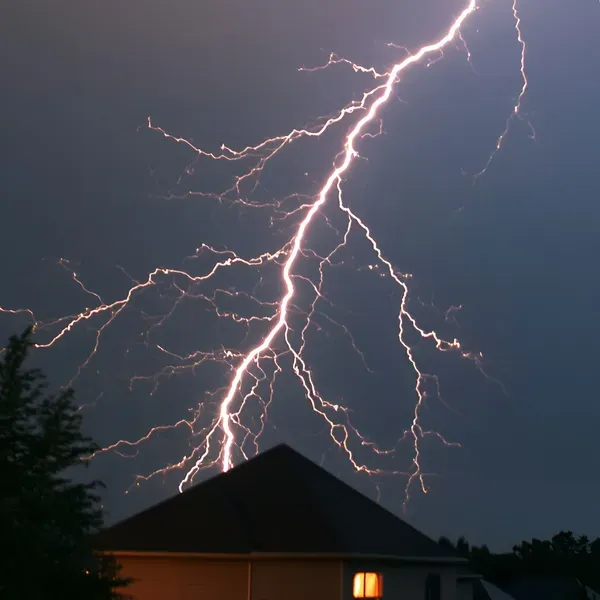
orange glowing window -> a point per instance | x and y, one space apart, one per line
367 585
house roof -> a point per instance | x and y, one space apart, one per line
277 502
484 590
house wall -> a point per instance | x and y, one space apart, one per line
158 578
464 590
183 578
296 580
180 578
403 581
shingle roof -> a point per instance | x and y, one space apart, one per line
278 502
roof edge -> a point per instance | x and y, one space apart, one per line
450 560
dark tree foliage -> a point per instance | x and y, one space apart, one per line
565 555
46 520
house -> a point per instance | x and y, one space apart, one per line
277 527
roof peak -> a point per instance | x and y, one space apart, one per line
278 501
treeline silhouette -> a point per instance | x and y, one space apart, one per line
564 555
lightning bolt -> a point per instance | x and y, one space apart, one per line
254 372
516 112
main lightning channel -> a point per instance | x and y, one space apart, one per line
349 154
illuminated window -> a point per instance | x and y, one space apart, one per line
367 585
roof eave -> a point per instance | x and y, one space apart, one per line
449 560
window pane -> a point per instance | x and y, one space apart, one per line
372 585
358 590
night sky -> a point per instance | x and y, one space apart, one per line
83 178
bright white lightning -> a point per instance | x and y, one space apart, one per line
381 94
222 431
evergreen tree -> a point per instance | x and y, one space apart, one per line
46 520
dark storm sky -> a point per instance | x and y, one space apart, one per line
518 251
